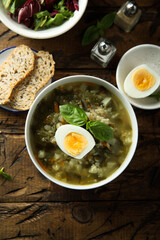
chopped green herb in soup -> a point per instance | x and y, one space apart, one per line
81 133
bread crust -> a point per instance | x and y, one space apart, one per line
25 92
15 69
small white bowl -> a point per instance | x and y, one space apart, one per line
54 31
111 88
148 54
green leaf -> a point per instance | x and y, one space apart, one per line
107 21
60 5
90 35
37 23
16 4
73 114
156 95
48 23
66 13
93 32
42 14
100 131
6 3
58 19
40 19
5 175
100 28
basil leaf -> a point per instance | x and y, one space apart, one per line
90 35
100 28
73 114
107 20
100 130
93 32
5 175
156 95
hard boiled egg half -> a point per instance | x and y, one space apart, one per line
74 141
141 82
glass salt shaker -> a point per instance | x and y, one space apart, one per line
103 52
128 16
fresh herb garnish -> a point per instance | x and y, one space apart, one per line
156 95
100 131
73 114
94 31
5 175
77 116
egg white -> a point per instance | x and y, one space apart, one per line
68 128
132 91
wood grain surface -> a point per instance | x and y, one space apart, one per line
32 207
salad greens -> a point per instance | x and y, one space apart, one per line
41 14
77 116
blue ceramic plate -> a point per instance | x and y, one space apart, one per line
3 56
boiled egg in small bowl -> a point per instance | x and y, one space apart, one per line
138 76
73 140
141 82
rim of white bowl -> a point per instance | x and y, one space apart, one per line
43 34
114 90
141 106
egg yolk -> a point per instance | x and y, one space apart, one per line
75 143
143 79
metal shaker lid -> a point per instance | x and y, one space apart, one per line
130 9
104 47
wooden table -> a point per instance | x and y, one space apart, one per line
32 207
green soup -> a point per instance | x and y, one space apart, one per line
99 104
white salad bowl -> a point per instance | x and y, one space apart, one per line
111 88
148 54
51 32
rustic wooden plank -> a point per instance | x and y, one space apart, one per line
28 184
77 221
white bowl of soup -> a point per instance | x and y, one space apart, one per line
81 132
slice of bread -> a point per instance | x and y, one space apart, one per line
15 69
24 93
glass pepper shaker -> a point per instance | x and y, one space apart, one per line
127 16
103 52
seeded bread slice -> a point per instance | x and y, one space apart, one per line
24 93
16 68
